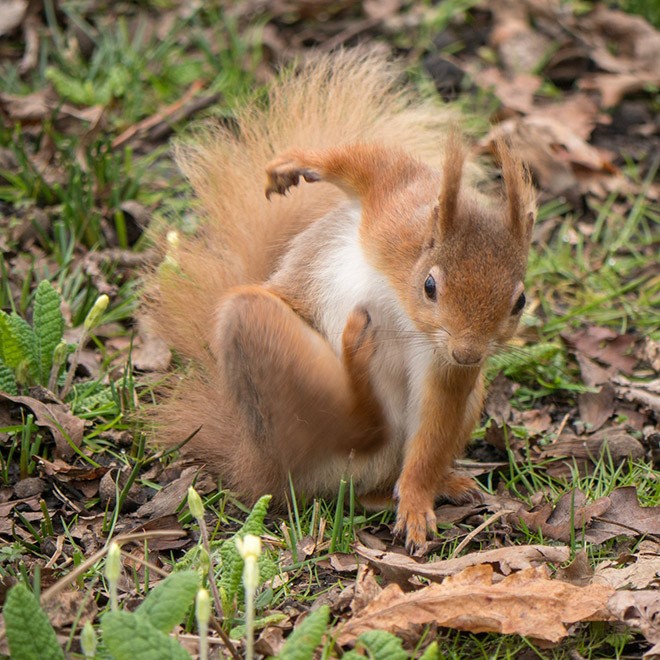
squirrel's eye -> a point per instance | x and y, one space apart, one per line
520 303
429 287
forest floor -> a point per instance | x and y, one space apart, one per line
561 559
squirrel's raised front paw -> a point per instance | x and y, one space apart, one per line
414 521
284 172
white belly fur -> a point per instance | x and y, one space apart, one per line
402 356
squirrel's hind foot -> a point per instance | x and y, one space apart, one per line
460 489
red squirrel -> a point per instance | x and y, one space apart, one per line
342 330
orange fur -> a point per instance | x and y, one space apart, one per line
315 347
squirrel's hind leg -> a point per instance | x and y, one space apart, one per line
298 401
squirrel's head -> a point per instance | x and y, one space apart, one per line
467 289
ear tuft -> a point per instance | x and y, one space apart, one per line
519 190
452 173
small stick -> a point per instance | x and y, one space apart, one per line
476 530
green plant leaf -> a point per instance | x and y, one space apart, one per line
29 632
27 346
302 642
48 324
129 636
12 344
168 602
7 380
432 652
231 561
382 645
238 632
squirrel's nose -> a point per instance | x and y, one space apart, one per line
466 356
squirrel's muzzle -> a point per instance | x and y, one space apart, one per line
467 356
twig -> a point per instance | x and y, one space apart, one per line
476 530
150 122
87 564
562 426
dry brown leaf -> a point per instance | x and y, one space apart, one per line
607 517
578 572
167 500
67 429
625 516
613 87
527 603
621 42
578 112
399 568
69 607
456 513
639 609
596 407
498 401
366 589
65 472
556 524
341 562
643 573
604 345
515 92
536 421
593 374
585 452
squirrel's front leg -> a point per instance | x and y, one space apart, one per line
448 413
360 170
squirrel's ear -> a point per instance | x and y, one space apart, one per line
452 173
519 190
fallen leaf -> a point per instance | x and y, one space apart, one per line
67 429
613 87
69 607
621 42
556 523
366 589
596 407
638 609
455 513
399 568
342 562
527 603
607 517
585 452
167 500
643 573
515 92
65 472
498 401
578 112
536 421
578 572
593 374
604 345
625 516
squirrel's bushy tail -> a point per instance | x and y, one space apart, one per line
333 99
